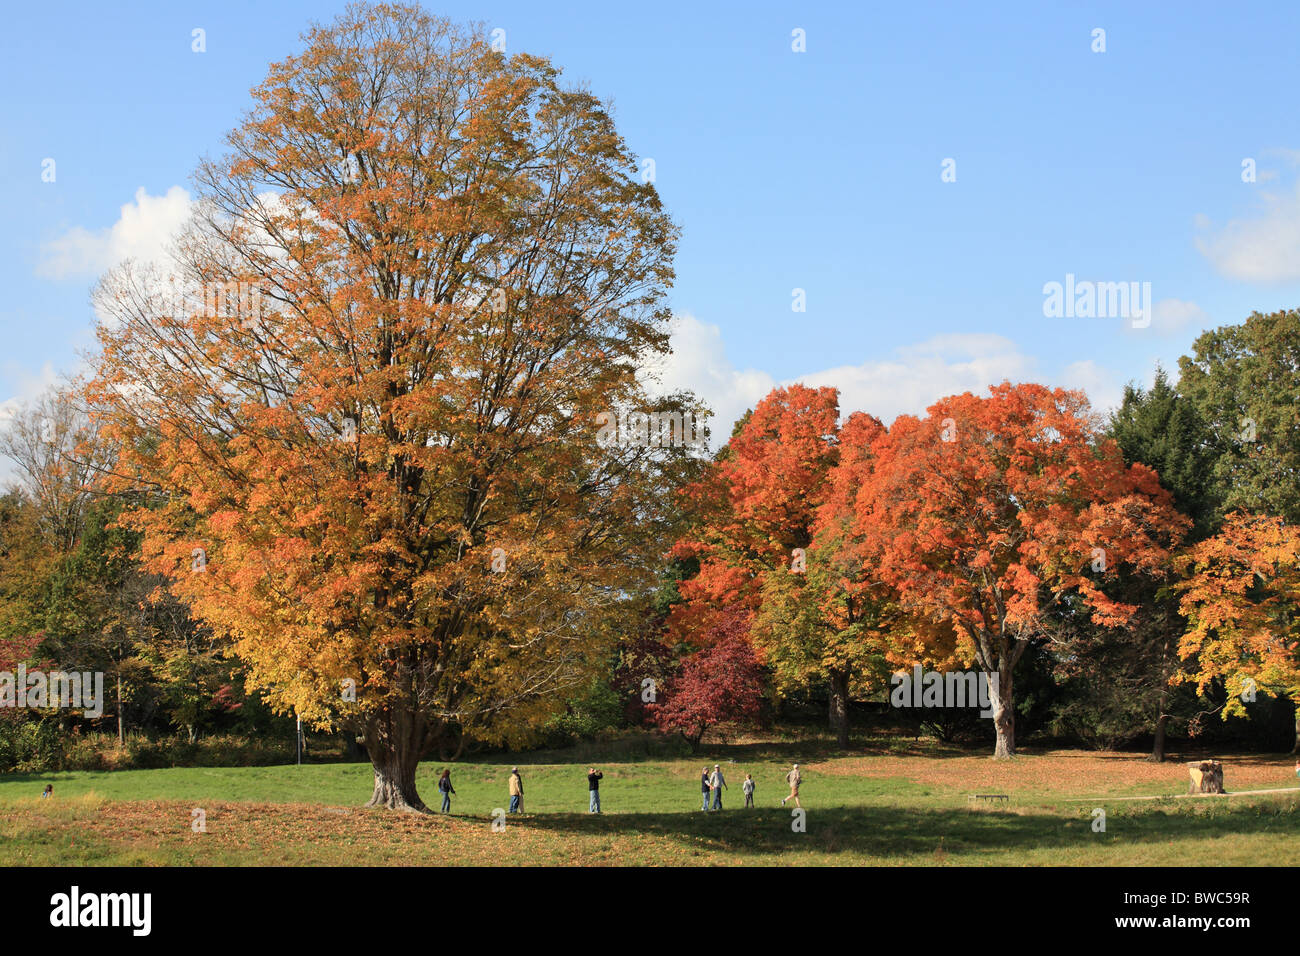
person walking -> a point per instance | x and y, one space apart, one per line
446 789
516 791
793 778
593 787
748 789
717 783
49 791
705 789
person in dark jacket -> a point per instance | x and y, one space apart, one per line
593 787
446 789
705 789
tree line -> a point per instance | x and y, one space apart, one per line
1147 562
369 491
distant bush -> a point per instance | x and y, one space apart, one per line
30 746
597 709
612 746
37 746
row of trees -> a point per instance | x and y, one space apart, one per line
74 595
373 479
1147 554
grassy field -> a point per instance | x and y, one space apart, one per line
905 806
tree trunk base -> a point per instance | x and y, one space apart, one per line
393 741
395 786
1158 744
389 796
839 708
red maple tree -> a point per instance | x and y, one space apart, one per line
1004 515
720 683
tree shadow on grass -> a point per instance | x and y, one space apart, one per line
814 749
956 835
798 750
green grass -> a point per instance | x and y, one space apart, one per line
884 807
651 787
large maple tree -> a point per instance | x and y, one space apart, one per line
374 468
1002 515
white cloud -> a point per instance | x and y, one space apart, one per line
920 374
142 231
1104 391
1265 248
906 383
699 364
1171 316
30 387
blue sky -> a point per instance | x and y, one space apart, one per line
818 170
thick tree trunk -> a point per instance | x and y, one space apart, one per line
1296 749
1158 748
1004 714
839 710
394 741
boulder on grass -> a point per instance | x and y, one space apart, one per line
1207 776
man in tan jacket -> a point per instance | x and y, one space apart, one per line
793 778
516 791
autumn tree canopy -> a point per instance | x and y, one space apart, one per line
1241 596
755 514
828 617
1002 515
755 504
373 461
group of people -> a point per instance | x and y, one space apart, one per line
711 785
515 788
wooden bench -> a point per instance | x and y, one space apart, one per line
990 797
